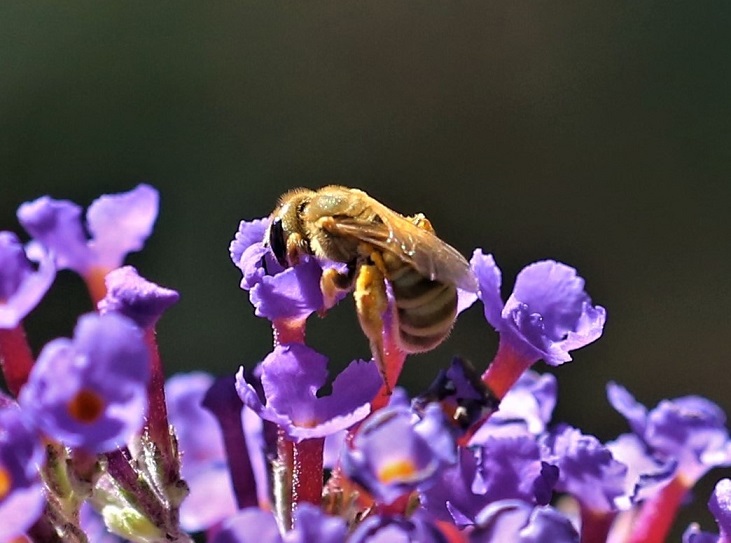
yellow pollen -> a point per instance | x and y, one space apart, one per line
400 469
86 406
6 482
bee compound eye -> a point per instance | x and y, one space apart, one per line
277 243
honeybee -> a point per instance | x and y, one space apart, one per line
377 244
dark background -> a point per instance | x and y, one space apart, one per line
594 133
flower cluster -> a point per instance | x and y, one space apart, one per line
95 445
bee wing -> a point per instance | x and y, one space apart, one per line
416 246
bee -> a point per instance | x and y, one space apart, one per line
377 244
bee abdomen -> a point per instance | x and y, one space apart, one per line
426 309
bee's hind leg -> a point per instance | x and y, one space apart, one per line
333 282
371 303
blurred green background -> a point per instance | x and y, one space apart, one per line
597 134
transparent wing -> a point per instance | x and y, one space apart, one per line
416 246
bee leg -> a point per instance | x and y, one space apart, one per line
333 283
296 246
371 303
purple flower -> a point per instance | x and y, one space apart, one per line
646 473
501 468
393 529
720 507
90 392
526 408
117 224
204 463
690 430
519 522
311 524
388 470
21 494
135 297
548 314
277 293
21 285
588 470
291 376
252 525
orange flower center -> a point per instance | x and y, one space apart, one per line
6 482
400 469
86 406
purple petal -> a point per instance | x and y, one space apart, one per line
21 451
292 375
120 223
22 287
312 524
628 407
57 225
588 470
292 294
489 278
135 297
518 522
720 506
249 525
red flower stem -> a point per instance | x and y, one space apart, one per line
505 369
656 516
288 332
307 474
595 526
157 425
96 285
16 358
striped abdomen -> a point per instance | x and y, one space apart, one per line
426 308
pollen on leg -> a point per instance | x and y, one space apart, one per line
86 406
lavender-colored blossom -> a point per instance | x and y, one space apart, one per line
21 493
90 392
291 376
548 314
387 471
135 297
22 286
720 506
117 224
691 430
204 464
694 534
277 293
311 524
646 473
394 529
525 409
519 522
250 525
588 470
501 468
